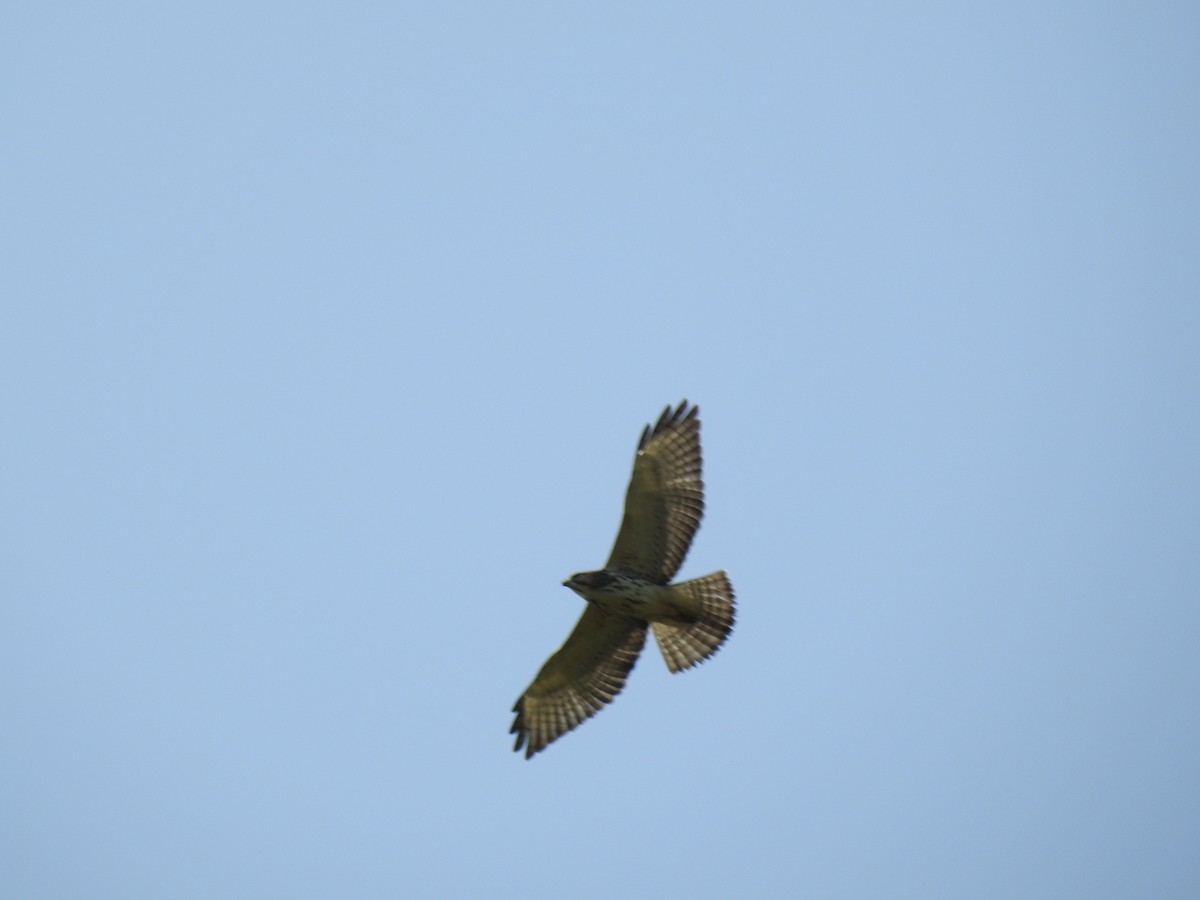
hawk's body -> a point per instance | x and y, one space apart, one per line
690 620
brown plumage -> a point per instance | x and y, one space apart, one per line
690 620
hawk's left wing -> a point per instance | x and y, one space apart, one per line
585 673
665 499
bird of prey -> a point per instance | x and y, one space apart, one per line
633 592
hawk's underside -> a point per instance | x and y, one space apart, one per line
690 620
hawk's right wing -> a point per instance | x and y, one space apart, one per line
665 499
585 673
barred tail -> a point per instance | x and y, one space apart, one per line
707 603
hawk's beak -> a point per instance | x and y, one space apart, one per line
566 584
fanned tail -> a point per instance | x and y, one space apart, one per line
708 602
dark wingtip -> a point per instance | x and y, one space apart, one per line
518 725
671 417
683 412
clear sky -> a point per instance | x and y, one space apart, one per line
327 334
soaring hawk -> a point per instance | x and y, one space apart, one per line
690 620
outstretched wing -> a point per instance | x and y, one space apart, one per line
665 499
584 674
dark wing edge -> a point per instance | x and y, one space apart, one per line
665 499
578 680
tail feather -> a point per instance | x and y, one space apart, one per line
709 608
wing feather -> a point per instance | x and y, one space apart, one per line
584 674
665 500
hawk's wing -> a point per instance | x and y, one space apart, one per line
585 673
665 499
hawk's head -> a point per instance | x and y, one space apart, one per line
584 583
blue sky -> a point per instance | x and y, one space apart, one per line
327 335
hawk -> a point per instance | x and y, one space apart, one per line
633 592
